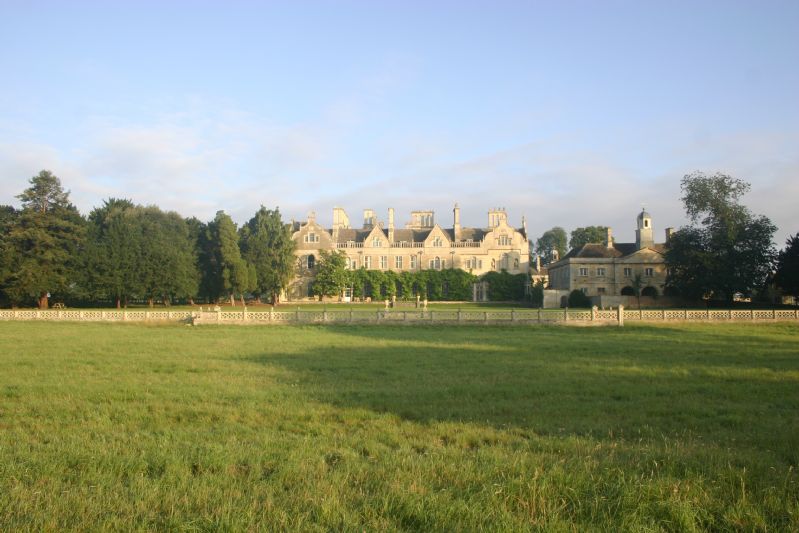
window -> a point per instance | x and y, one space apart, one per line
649 272
504 240
583 271
435 263
516 263
377 242
437 242
585 290
601 290
311 261
413 262
398 262
628 272
367 262
600 271
383 262
352 264
311 237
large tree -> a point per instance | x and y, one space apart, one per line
551 244
44 243
112 251
231 272
726 249
8 217
787 276
267 245
588 235
331 273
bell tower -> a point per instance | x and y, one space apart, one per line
643 234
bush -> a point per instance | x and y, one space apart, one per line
577 298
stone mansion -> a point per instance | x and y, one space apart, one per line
607 270
421 244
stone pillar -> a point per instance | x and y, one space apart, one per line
593 314
621 315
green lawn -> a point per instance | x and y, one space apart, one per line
641 428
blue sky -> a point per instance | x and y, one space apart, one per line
568 113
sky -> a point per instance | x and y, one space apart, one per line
568 113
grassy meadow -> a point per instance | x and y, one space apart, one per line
172 427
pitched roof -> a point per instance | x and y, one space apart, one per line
619 249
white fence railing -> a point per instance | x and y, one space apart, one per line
416 316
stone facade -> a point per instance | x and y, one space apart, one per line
420 245
609 268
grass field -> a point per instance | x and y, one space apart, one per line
641 428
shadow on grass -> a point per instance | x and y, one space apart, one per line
633 382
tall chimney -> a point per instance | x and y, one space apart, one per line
390 224
669 233
609 238
456 223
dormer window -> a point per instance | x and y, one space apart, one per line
377 242
504 240
437 242
311 237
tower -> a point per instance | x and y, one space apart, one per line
643 234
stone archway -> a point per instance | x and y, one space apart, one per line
650 291
628 291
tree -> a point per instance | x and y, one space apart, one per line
551 244
44 243
8 217
787 275
167 266
726 250
267 245
638 285
588 235
230 271
112 252
331 273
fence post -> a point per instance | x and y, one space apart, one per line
685 314
663 315
350 315
102 315
218 315
297 315
38 313
431 316
774 314
405 316
707 314
512 316
244 315
485 317
16 314
593 313
377 316
80 315
539 315
751 314
125 315
459 315
324 315
729 315
565 314
621 315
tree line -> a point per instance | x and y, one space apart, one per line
126 252
455 284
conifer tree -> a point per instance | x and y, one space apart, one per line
267 245
44 242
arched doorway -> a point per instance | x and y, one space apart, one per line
628 291
650 292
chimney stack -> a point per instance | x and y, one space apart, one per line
609 238
390 224
669 233
456 223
